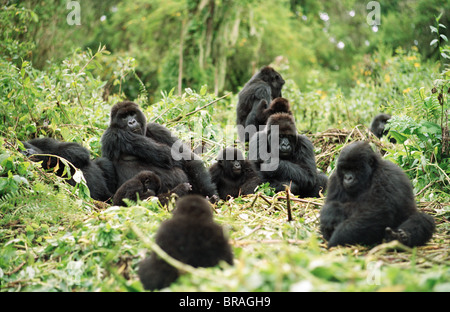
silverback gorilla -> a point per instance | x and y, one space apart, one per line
291 163
134 146
265 85
192 237
370 199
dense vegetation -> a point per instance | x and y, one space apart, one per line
60 80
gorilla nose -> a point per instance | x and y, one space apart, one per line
348 178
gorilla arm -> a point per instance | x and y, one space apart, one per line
116 143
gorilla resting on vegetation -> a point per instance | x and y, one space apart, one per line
370 199
134 146
144 185
296 159
264 85
99 174
378 124
192 237
233 175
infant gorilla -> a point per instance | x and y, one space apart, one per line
144 185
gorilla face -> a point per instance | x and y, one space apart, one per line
355 167
128 116
286 146
150 181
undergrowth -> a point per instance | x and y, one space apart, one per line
53 238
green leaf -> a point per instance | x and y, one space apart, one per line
444 37
430 127
398 136
433 42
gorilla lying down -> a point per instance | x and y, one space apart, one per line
99 173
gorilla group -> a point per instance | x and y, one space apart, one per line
368 200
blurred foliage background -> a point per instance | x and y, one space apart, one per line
184 62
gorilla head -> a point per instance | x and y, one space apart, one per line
287 133
232 162
273 78
378 125
355 167
280 105
128 116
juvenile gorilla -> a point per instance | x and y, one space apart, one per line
99 174
264 85
262 113
134 146
233 175
370 199
378 125
144 185
296 159
192 237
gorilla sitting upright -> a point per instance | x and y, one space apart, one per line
292 162
265 86
370 199
190 236
135 146
233 175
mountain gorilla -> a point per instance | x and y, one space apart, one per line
144 185
263 111
192 237
134 146
99 174
264 85
370 199
295 164
378 124
233 175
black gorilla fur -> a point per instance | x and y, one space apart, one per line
370 199
233 175
264 111
144 185
190 236
297 163
99 174
264 85
134 146
378 124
